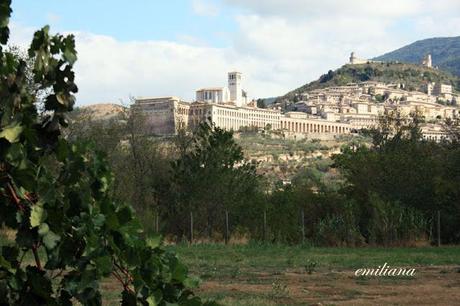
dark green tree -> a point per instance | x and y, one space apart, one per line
404 172
210 177
261 103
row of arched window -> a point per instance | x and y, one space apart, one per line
305 127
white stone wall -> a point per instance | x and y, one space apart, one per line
232 117
298 124
213 95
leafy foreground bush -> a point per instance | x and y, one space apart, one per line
57 196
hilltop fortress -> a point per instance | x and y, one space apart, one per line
354 60
319 113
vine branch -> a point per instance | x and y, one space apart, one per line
36 257
15 197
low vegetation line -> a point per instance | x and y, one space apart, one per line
265 256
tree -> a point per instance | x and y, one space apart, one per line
58 197
210 177
261 103
403 171
327 77
141 169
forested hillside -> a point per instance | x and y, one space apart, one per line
445 52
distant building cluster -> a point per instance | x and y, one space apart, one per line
330 111
360 104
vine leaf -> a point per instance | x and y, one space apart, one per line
50 240
12 132
154 242
37 215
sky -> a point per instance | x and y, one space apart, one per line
151 48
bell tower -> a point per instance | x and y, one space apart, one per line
234 85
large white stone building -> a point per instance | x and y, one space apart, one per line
329 111
228 108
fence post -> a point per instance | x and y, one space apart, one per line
439 227
157 222
191 227
227 232
303 225
265 225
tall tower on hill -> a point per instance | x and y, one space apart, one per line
427 61
234 85
352 58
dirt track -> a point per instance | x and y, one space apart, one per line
438 285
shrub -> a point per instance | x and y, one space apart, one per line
391 224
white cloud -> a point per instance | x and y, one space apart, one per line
109 70
305 9
312 8
205 8
435 26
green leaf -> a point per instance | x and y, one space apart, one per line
154 242
43 229
5 264
12 132
179 271
104 264
99 220
192 282
50 240
125 214
62 150
70 56
37 215
151 301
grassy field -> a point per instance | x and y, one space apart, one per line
266 274
283 275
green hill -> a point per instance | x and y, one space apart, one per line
445 52
414 76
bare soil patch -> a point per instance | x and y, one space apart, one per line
435 285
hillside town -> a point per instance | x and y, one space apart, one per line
319 113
